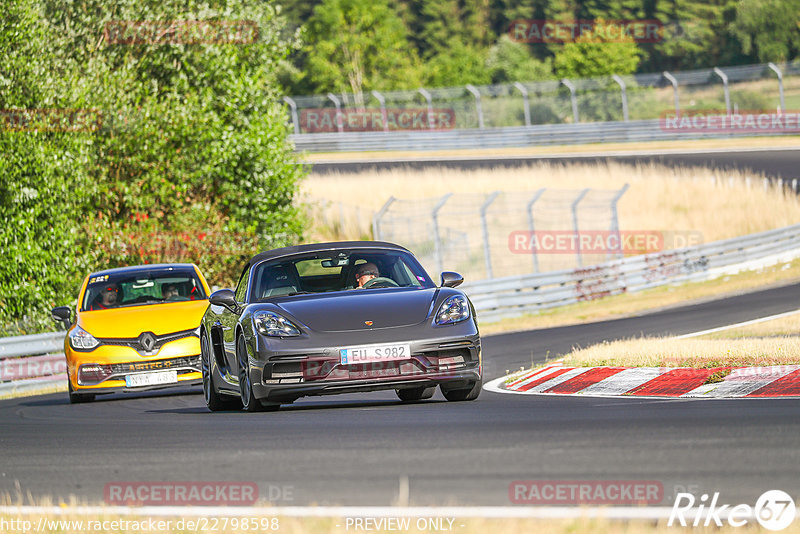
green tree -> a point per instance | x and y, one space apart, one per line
770 29
359 45
510 61
596 55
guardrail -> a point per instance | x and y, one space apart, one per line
36 361
513 136
32 362
513 296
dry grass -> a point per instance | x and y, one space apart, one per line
690 145
783 326
717 204
705 353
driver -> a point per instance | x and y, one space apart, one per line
364 273
106 299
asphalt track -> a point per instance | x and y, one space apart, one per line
779 163
355 449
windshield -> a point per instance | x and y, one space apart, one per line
339 270
141 288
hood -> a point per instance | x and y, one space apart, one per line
156 318
341 311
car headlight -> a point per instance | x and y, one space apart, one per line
453 310
80 339
271 324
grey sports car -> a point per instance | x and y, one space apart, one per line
338 318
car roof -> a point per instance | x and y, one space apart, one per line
146 267
318 247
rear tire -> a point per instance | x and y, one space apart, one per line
416 394
214 400
249 402
466 394
78 398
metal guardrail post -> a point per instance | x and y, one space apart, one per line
527 109
436 240
624 91
674 83
428 99
573 97
724 78
615 218
777 71
478 109
376 220
293 107
574 208
384 116
485 227
531 228
338 104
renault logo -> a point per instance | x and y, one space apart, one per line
147 341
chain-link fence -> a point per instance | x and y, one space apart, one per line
504 233
767 87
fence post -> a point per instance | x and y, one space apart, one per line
575 224
674 83
777 71
527 109
376 220
471 88
622 87
384 117
424 92
615 218
485 227
293 107
338 104
531 228
436 240
569 85
724 78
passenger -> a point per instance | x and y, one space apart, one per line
169 291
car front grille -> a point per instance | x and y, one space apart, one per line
147 344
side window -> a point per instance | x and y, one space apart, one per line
241 289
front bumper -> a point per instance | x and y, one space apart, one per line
284 370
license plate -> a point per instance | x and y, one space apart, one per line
375 353
151 379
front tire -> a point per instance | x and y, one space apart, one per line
249 402
214 400
78 398
467 394
416 394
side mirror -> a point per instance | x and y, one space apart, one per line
451 279
224 297
63 315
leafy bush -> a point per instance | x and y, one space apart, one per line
192 140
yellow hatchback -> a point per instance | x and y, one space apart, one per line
136 329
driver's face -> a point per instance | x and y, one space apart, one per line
109 295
